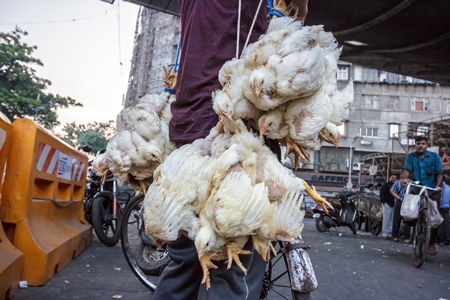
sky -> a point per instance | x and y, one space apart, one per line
86 48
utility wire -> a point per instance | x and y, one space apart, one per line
120 43
61 21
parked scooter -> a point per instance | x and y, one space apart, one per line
342 215
104 203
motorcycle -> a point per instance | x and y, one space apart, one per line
104 203
93 183
344 214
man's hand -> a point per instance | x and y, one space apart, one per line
302 9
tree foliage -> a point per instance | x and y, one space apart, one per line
94 134
21 90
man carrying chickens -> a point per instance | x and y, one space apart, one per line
216 161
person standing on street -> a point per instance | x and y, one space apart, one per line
444 228
398 192
426 167
388 201
209 31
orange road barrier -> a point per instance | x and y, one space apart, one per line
42 204
11 259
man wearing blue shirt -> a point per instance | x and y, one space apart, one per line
426 167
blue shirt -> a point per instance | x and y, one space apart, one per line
399 189
424 169
445 198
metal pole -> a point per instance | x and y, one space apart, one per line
350 168
373 164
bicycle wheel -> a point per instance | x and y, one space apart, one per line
146 262
276 282
106 226
421 238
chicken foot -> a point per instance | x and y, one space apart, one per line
293 147
169 78
206 264
233 252
316 196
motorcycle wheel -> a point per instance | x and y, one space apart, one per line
87 204
106 226
320 224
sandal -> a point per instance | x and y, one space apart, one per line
395 239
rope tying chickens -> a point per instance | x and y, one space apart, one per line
274 12
229 187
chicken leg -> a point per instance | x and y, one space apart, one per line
233 252
316 197
206 264
169 78
293 147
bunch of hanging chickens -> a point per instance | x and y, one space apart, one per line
141 142
229 187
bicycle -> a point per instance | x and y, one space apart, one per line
147 261
422 224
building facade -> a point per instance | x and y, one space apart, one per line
378 127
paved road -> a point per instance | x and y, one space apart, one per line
380 270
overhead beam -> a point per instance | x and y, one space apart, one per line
404 4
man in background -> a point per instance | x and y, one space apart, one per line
426 167
388 201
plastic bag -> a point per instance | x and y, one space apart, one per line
435 216
410 205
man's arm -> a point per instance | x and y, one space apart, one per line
439 179
394 190
405 174
302 9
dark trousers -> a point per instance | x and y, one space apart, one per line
444 228
182 277
397 220
436 197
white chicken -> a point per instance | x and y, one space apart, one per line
297 75
342 101
142 139
284 86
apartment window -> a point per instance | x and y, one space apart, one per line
342 73
368 131
419 104
422 130
174 53
394 130
370 75
405 79
370 101
342 129
394 103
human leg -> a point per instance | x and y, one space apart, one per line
444 228
396 220
233 283
433 236
387 221
181 279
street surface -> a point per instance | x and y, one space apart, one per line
349 266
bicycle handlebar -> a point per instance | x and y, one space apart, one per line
428 188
